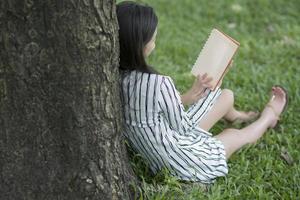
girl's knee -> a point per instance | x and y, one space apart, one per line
228 96
232 130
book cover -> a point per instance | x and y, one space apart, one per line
215 56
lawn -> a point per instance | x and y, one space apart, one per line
269 33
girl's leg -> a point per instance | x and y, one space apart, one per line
233 139
224 107
234 114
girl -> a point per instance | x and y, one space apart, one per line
156 123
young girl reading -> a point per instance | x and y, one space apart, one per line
155 121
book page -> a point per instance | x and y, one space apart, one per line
215 56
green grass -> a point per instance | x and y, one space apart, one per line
269 33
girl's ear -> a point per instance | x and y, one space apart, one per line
148 49
144 51
150 46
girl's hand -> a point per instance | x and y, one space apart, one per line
197 90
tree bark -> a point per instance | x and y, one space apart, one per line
60 111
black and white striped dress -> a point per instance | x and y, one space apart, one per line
158 127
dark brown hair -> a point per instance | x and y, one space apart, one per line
137 24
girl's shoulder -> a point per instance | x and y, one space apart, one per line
136 73
159 78
157 82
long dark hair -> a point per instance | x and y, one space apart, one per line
137 24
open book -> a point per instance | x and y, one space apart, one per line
215 56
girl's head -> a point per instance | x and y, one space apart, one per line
137 33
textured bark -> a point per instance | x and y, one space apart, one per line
59 101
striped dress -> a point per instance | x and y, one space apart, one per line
159 128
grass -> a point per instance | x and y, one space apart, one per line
269 33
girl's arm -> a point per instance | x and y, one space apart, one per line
172 107
173 110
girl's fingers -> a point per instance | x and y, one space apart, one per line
209 87
202 82
208 79
204 76
204 94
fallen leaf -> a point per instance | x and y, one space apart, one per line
286 156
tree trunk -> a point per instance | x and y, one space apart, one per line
60 111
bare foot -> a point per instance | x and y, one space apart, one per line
243 116
275 106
